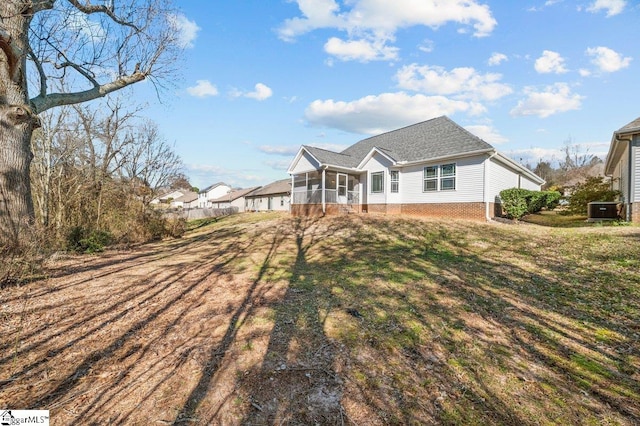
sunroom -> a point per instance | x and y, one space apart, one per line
328 190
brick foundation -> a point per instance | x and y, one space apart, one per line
635 212
470 211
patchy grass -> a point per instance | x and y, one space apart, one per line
267 319
558 219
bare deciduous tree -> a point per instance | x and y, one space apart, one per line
90 48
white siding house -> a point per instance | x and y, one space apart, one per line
275 196
623 166
212 192
235 199
433 168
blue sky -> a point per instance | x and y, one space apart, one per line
260 78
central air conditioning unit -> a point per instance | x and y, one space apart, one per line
602 210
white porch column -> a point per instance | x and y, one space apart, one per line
324 189
291 196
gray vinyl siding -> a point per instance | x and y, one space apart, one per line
306 164
262 203
502 177
378 163
469 182
635 170
621 176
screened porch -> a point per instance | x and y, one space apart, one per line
326 187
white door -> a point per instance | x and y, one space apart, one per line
342 188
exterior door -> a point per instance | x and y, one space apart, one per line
342 188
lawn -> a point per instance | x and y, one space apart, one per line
357 319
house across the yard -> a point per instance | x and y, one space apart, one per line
434 168
212 192
235 198
272 197
186 201
623 166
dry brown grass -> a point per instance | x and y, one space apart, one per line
266 319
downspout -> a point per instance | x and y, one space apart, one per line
487 164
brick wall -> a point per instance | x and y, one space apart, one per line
635 212
472 211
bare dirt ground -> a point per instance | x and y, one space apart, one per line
168 333
228 326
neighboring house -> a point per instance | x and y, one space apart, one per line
623 166
167 197
275 196
212 192
235 198
186 201
433 168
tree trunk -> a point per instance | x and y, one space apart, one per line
16 206
17 122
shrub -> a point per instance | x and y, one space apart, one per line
517 202
514 202
82 240
593 188
552 199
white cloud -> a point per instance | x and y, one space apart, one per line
535 154
370 24
584 72
260 93
279 150
187 31
427 46
612 7
487 133
607 60
497 59
554 99
550 62
465 82
387 111
278 164
202 89
360 50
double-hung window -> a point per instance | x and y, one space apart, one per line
439 178
395 180
377 182
430 182
448 177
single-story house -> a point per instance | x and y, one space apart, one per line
212 192
275 196
168 196
433 168
623 166
186 201
235 198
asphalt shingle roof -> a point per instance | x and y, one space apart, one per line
278 187
631 127
435 138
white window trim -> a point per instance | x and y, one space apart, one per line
371 174
391 182
438 178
